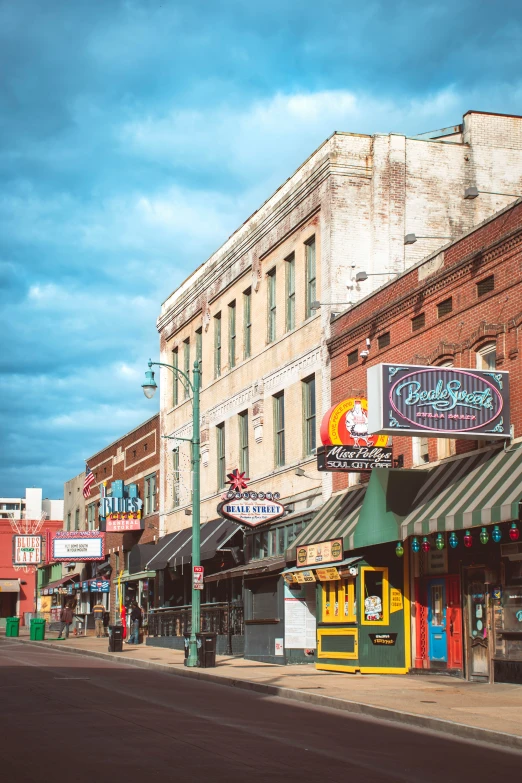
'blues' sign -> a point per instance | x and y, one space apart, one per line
444 402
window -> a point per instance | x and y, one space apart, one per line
383 340
150 493
271 332
487 357
175 478
309 415
311 291
243 443
420 451
247 323
374 588
290 292
353 357
186 366
232 334
217 345
199 354
91 516
339 601
77 519
418 322
175 382
279 429
69 521
445 307
446 447
486 285
264 600
220 443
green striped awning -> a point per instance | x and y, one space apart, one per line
336 519
484 488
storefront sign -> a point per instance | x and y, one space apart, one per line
27 550
321 552
437 561
251 508
9 586
197 577
395 600
85 587
302 577
446 402
327 574
388 639
353 459
79 546
118 523
99 586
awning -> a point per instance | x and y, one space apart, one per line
139 556
480 489
178 551
126 577
340 564
336 519
9 586
258 568
62 581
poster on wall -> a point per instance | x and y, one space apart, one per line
347 445
444 402
300 622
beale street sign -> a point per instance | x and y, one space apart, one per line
444 402
354 459
247 507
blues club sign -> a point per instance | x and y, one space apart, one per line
442 401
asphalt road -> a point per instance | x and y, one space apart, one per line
69 717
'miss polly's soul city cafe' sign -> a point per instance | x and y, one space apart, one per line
347 445
446 402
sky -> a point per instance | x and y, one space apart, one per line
137 135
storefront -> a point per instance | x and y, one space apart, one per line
463 536
9 595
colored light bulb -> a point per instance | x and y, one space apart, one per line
514 532
453 541
415 546
439 543
426 546
399 549
484 536
468 539
496 534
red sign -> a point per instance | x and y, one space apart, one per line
197 577
346 424
117 523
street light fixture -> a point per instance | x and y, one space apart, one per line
316 304
149 388
360 277
472 192
410 239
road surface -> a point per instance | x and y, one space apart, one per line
70 717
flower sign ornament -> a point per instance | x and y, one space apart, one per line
247 507
446 402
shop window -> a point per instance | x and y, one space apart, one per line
374 592
339 601
264 601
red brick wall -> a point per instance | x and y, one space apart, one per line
492 249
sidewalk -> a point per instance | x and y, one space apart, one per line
488 713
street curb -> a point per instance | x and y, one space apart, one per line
456 730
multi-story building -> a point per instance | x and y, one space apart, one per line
31 506
435 538
74 517
257 313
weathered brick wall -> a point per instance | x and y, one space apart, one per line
494 248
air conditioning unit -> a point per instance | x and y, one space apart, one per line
512 551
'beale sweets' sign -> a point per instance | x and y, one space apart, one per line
446 402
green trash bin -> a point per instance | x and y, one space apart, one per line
12 626
37 630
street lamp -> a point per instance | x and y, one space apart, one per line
410 239
360 277
149 388
473 192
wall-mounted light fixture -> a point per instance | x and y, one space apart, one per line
301 472
410 239
360 277
472 192
316 305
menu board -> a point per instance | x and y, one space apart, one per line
300 621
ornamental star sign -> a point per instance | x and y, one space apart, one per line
238 481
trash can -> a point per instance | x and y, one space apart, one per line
37 630
115 638
207 649
12 626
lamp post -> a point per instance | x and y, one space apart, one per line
149 388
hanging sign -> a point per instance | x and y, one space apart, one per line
27 550
446 402
322 552
327 574
246 507
197 577
347 446
353 459
80 546
303 577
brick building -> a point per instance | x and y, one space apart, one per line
436 536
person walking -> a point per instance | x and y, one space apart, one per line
98 612
66 618
135 618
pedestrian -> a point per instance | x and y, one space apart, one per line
135 619
66 618
98 612
106 621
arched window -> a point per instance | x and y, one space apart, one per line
486 356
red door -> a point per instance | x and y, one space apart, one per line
454 622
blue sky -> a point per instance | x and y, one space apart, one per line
136 135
